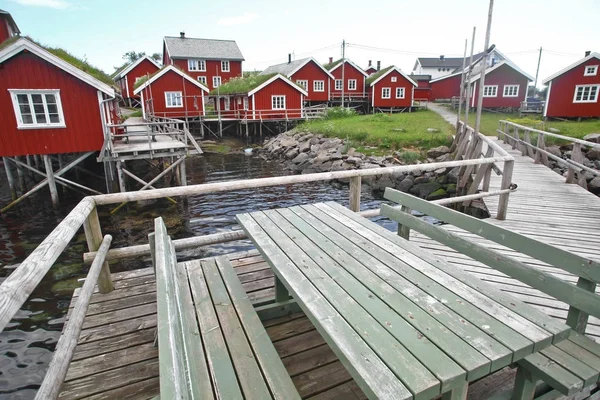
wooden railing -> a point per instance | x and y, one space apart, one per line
521 137
532 107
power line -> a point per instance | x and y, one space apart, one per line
385 50
299 55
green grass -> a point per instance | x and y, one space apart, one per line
489 121
377 74
137 113
385 132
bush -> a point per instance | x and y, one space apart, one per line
340 112
409 157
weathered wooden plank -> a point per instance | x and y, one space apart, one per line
299 343
587 374
580 353
376 380
309 360
115 343
321 379
142 390
552 373
119 315
118 328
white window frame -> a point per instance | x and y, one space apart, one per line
197 65
36 125
216 82
225 66
277 106
178 95
339 84
303 83
593 70
227 103
507 88
394 79
316 85
589 100
400 92
495 87
245 103
389 92
350 82
202 79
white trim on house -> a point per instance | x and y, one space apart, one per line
134 64
198 62
34 124
593 70
227 103
445 77
216 81
175 98
164 71
303 83
389 92
373 97
127 86
398 70
402 94
272 79
590 99
24 44
352 81
306 62
501 63
278 102
225 63
509 89
547 99
253 108
201 79
394 79
489 88
473 94
335 85
570 67
352 64
322 84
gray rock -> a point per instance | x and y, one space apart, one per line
291 153
554 150
405 185
438 151
354 160
288 141
369 166
331 143
346 165
314 140
593 154
335 156
398 176
314 148
453 175
421 179
398 130
440 171
382 182
592 137
432 130
425 189
594 185
300 158
304 146
444 158
337 165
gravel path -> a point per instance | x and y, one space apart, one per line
448 114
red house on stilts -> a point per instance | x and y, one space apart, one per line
8 26
132 74
349 80
391 89
574 91
505 86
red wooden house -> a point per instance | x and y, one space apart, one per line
446 87
132 73
8 26
353 83
370 70
209 61
391 89
171 93
423 89
260 98
49 106
505 86
573 91
307 73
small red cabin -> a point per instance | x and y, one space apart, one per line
171 93
209 61
505 86
423 89
8 26
446 87
353 84
307 73
261 97
391 89
47 105
573 91
132 73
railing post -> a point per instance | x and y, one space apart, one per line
403 230
355 184
93 236
506 182
527 139
576 318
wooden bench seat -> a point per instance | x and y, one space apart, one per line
565 368
211 342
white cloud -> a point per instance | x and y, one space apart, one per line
237 20
59 4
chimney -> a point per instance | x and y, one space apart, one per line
289 58
442 57
330 60
370 63
182 34
587 53
378 65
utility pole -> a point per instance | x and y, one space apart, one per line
343 67
537 72
484 67
468 91
462 88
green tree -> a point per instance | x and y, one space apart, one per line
133 55
156 57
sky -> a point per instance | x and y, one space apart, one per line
394 32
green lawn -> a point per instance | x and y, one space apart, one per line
384 131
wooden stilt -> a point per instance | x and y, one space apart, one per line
93 236
51 181
36 161
202 129
29 164
183 176
121 177
21 176
10 177
260 127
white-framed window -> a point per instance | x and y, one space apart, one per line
36 109
245 103
511 91
225 66
490 90
590 70
400 92
339 84
196 65
173 99
319 86
586 93
227 103
216 81
351 84
394 78
303 83
202 79
386 92
278 102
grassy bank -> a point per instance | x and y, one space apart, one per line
381 133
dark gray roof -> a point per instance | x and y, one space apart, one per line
11 21
284 68
415 77
210 49
450 62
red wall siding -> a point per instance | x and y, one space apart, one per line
80 106
445 89
563 91
311 72
504 75
212 66
173 82
422 93
236 108
4 31
262 101
143 68
349 73
392 102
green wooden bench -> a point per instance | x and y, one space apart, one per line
211 343
567 367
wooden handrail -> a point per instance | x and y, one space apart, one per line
554 135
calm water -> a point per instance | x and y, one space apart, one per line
26 345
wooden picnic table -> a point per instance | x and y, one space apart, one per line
405 324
